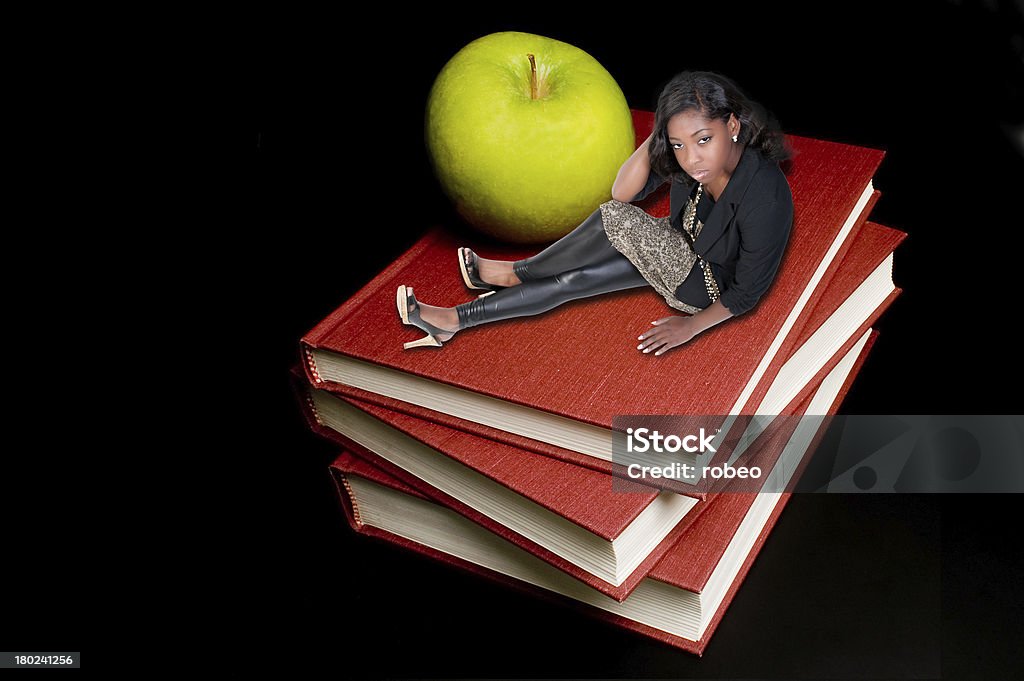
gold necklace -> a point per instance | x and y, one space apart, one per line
709 278
693 214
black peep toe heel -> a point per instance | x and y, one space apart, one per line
470 273
409 311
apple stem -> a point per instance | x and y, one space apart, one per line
533 77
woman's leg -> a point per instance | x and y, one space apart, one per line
582 263
612 273
586 243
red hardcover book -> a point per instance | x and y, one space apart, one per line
865 271
684 597
567 515
351 422
549 377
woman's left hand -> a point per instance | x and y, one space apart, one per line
667 333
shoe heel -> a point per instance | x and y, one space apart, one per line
427 340
402 295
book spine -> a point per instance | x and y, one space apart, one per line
304 398
347 498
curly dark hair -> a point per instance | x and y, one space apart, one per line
713 96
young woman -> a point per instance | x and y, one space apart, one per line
713 257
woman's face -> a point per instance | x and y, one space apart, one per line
702 147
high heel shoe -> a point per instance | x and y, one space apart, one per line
409 311
469 273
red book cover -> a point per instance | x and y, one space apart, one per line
536 362
687 565
868 251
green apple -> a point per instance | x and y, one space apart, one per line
526 135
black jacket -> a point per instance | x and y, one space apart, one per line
745 236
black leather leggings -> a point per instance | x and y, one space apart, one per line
582 263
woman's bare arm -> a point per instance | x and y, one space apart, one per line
711 315
668 332
633 174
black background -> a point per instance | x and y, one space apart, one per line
334 184
866 586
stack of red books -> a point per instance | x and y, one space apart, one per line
494 452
